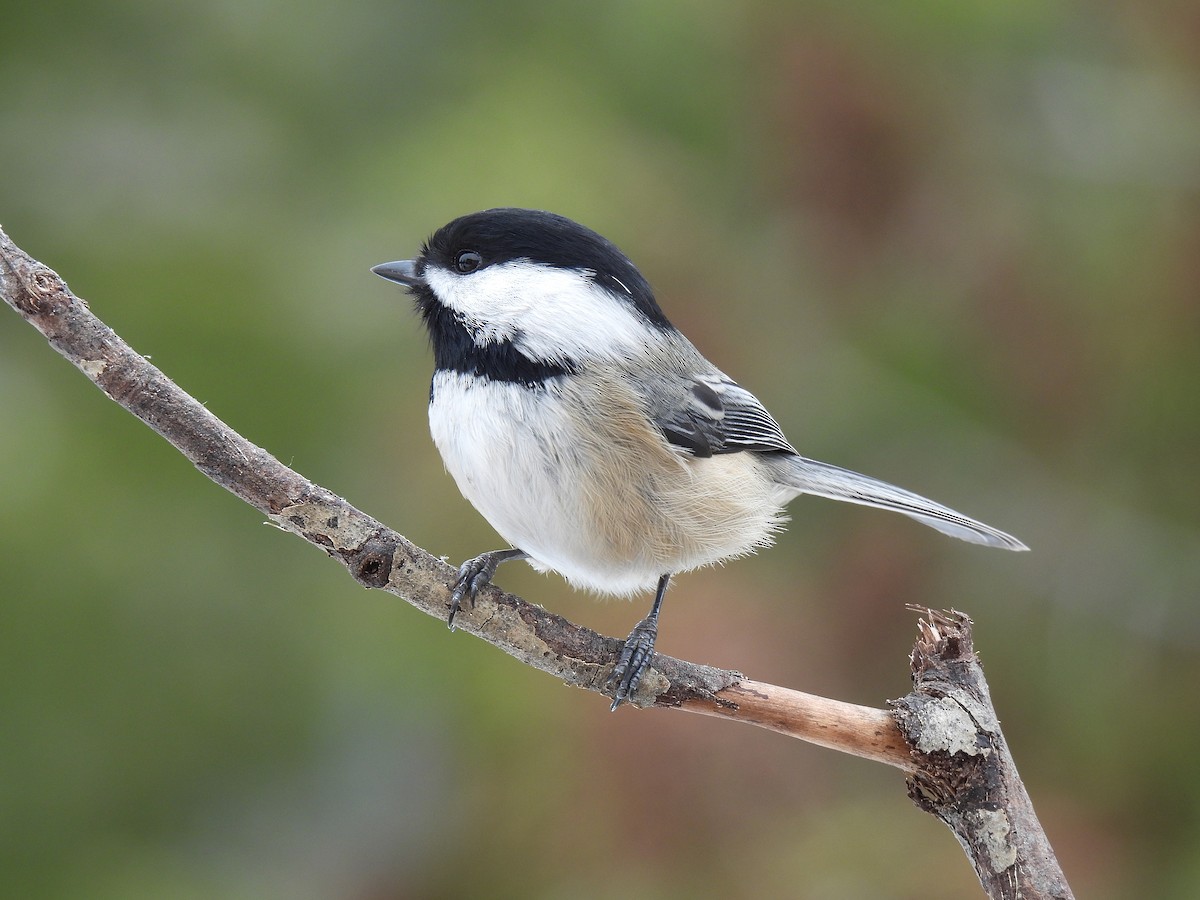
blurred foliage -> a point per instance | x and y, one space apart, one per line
953 245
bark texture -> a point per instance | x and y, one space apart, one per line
966 775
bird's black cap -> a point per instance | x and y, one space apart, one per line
508 233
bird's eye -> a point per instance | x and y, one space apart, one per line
467 261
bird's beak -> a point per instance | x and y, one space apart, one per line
403 271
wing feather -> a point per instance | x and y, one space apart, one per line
714 415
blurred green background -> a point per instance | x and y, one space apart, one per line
954 245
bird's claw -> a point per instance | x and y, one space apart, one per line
634 661
474 575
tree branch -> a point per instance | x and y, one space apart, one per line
967 777
945 734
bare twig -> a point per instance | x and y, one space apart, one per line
1005 844
967 777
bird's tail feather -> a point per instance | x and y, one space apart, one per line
824 480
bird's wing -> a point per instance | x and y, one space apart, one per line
712 414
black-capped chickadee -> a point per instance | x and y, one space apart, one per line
589 431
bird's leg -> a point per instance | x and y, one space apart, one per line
475 574
638 650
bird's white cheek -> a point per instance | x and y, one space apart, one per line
549 313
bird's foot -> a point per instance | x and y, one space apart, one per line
474 575
634 660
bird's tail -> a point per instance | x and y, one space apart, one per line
811 477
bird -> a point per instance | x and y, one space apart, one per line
591 434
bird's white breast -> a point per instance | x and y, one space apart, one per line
508 448
603 502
